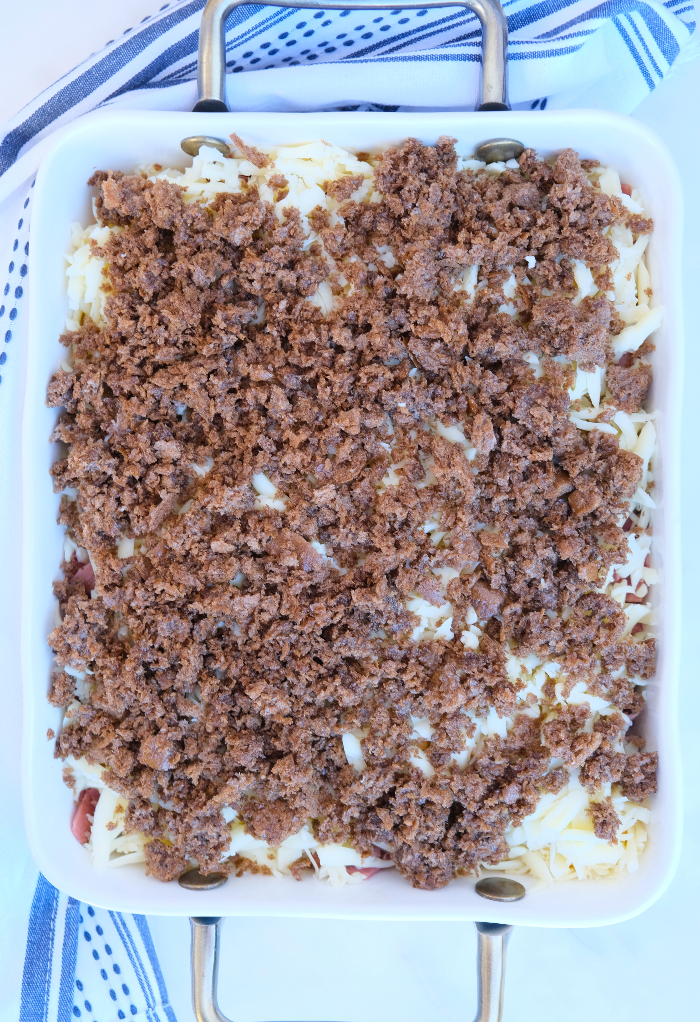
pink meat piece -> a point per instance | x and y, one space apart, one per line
86 576
368 871
80 825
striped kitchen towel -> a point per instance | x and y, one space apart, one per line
59 959
82 962
562 54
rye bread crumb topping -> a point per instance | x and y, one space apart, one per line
207 693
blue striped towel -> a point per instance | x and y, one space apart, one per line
72 960
88 963
562 54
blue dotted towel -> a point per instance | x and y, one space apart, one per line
59 959
88 963
562 53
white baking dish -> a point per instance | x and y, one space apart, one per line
121 140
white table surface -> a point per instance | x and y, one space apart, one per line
645 969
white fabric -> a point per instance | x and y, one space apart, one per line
603 72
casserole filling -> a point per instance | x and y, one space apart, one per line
357 494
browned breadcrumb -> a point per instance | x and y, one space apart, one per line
605 820
164 861
241 865
209 694
639 776
257 158
629 386
555 780
50 733
343 188
62 689
299 867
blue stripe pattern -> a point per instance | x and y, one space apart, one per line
136 964
142 927
162 52
38 960
69 978
636 54
97 74
68 961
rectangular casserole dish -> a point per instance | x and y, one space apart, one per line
122 140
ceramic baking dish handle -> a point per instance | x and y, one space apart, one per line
205 966
211 73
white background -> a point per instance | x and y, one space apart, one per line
387 972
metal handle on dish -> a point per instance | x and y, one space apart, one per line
491 970
205 968
211 69
491 964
